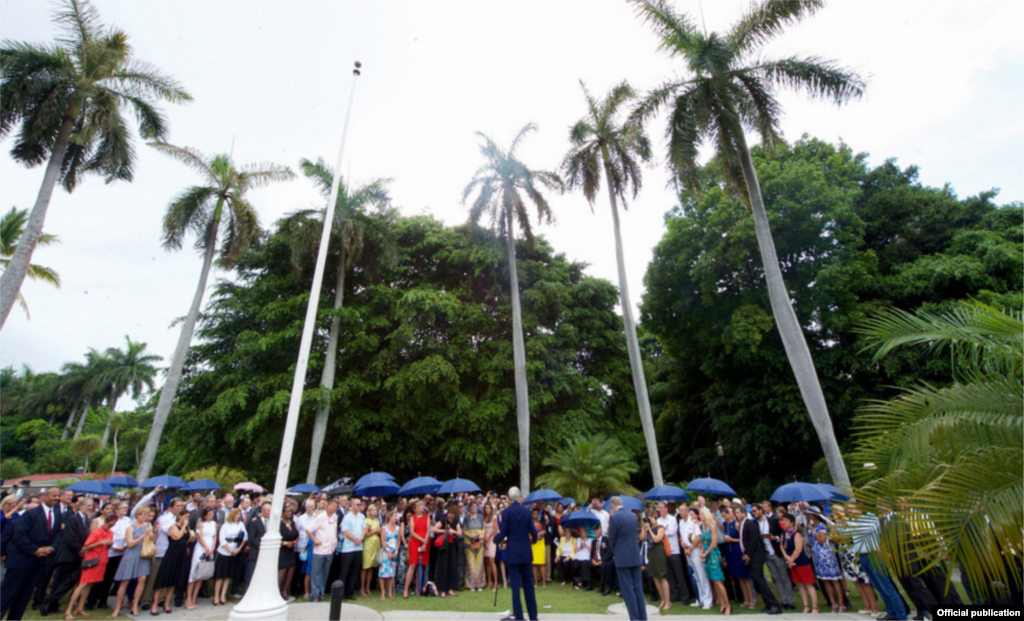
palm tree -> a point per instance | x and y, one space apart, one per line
200 209
732 88
599 144
115 422
353 226
500 184
85 446
588 467
12 227
72 387
126 371
68 99
85 382
950 458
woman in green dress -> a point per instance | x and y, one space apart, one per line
713 560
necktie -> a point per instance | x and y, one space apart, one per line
85 522
49 522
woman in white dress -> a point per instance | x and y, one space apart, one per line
206 542
229 565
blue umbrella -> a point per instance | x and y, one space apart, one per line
666 493
374 478
580 518
541 495
833 492
92 487
711 486
568 500
304 488
202 485
628 502
420 486
800 492
166 480
121 482
384 488
458 486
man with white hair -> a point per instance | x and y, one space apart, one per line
519 532
623 535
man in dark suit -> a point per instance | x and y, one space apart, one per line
607 563
64 508
754 555
257 528
34 540
68 569
519 532
624 538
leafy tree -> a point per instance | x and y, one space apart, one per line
225 477
12 227
199 210
589 467
499 186
68 100
13 468
85 446
949 458
730 89
53 456
600 144
354 228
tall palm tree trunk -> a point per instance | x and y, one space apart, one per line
170 387
323 411
81 419
113 468
14 274
793 340
643 402
106 430
71 419
519 360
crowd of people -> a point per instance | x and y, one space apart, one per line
157 550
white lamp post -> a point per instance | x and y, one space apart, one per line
263 596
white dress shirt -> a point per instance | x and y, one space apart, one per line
119 529
765 530
671 526
164 523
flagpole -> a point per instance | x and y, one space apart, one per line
263 596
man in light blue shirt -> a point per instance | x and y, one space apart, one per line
353 529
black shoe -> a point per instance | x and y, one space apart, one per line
589 588
774 610
605 592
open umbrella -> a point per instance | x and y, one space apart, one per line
420 486
123 481
249 486
833 492
541 495
800 492
374 477
100 488
458 486
303 488
166 480
337 489
577 519
385 488
666 493
711 486
628 502
202 485
567 501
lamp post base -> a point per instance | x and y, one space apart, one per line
263 596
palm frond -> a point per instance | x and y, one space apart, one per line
79 22
242 228
529 127
653 101
319 173
819 78
189 211
44 274
262 174
767 19
144 80
187 156
677 35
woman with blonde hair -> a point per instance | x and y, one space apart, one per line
133 566
712 559
371 546
389 560
228 567
8 515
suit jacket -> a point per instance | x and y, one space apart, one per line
775 528
72 539
256 530
623 536
30 535
750 535
605 548
518 530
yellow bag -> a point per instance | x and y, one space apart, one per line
148 547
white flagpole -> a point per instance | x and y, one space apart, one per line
263 597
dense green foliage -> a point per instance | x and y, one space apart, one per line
425 381
851 240
589 467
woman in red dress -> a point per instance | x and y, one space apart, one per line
95 548
419 545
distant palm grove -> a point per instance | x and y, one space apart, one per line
478 349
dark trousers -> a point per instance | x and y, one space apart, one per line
65 577
521 576
610 577
760 584
446 570
351 563
334 573
45 576
581 573
19 585
564 568
251 567
678 583
632 587
99 592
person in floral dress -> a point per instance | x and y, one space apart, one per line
389 560
826 566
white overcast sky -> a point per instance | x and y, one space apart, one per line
945 86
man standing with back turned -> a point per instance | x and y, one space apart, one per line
518 531
624 537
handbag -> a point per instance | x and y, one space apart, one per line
90 563
148 548
204 570
378 558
